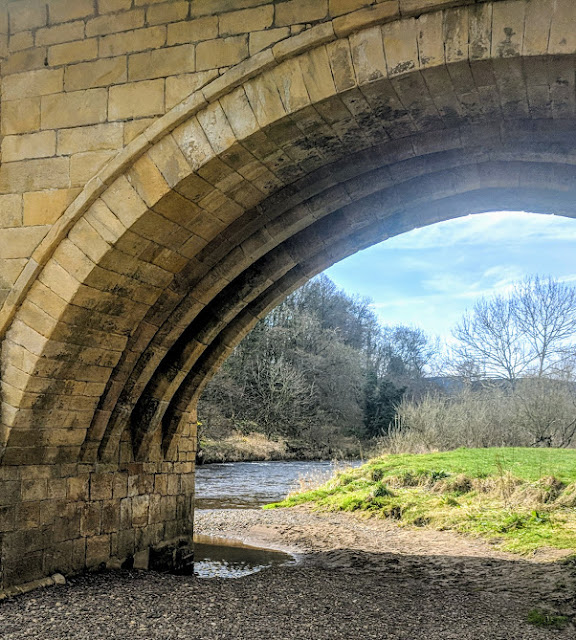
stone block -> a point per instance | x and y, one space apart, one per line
223 52
260 40
67 32
21 242
32 145
123 543
110 516
97 550
84 166
111 6
173 484
45 207
78 487
24 61
65 11
116 23
10 211
265 100
126 513
135 100
21 40
36 489
167 12
7 519
100 73
70 52
101 486
318 75
401 46
368 55
57 488
170 160
161 62
90 522
146 178
10 493
20 116
131 41
32 83
181 86
298 11
246 20
140 506
341 64
120 486
193 30
27 15
74 109
34 175
101 137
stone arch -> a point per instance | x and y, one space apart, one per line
333 140
225 195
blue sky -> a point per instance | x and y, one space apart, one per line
429 276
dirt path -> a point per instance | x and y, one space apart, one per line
360 579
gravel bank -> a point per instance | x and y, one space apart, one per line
358 579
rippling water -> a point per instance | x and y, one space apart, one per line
245 485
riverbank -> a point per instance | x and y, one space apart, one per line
522 499
254 447
359 578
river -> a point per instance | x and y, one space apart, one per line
248 485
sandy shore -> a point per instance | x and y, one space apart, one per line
364 579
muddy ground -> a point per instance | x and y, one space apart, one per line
365 579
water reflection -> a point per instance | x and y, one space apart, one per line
225 558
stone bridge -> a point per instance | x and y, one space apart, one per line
170 171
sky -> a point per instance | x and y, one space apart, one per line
428 277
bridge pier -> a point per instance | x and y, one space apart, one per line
65 518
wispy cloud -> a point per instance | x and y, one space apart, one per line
501 226
434 274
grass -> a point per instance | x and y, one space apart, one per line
522 499
547 620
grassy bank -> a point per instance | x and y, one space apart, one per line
523 499
255 446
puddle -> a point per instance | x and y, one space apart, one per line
225 558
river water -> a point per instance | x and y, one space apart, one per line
248 485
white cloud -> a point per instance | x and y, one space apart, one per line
496 227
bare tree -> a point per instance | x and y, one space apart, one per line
491 337
529 332
545 312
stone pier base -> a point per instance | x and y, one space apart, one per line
71 517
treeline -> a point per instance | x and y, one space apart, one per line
319 368
509 376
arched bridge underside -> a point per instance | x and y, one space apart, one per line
358 127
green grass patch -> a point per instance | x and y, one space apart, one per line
547 620
524 499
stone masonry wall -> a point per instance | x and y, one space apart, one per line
64 517
81 79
